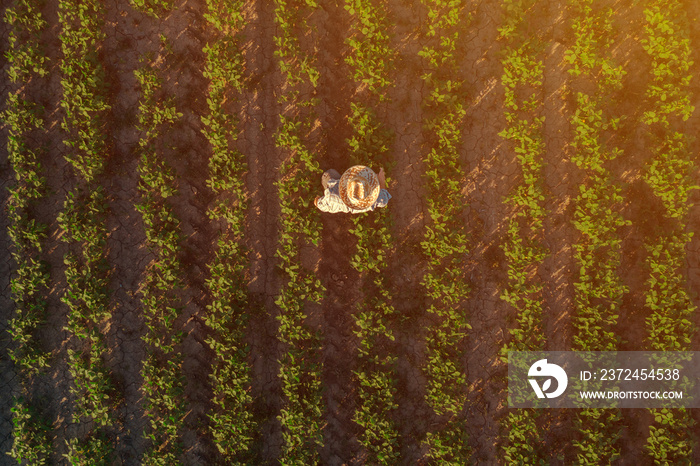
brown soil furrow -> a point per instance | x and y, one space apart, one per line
9 383
186 31
560 181
628 169
54 386
404 117
258 120
693 271
125 41
342 294
693 248
9 380
488 167
337 243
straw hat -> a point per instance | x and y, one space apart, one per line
359 187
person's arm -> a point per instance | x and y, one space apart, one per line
382 179
331 203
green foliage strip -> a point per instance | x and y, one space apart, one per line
163 383
445 244
523 74
370 59
83 221
598 288
370 43
669 175
26 60
232 425
300 367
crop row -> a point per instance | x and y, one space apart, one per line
370 45
232 424
668 174
23 117
598 288
522 79
445 243
83 221
370 59
300 366
162 376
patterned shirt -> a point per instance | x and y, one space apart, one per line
333 203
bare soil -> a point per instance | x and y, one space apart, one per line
8 381
258 119
8 378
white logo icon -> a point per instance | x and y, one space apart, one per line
542 369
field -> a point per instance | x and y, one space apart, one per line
170 294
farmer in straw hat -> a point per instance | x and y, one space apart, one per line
358 190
